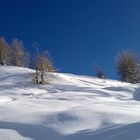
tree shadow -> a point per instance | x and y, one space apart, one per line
127 132
38 132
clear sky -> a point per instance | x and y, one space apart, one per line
77 33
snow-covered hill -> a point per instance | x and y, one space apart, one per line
71 107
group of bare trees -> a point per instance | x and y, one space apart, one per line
14 54
127 67
128 64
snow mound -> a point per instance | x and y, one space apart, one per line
136 94
7 134
71 107
4 99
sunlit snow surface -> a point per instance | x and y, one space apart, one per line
71 107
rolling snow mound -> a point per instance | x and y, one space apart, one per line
70 107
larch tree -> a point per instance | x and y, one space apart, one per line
18 56
99 72
128 67
43 67
3 51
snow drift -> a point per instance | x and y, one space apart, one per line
71 107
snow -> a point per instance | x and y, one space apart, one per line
4 99
71 107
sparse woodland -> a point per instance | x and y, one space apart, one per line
14 54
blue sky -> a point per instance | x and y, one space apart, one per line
77 33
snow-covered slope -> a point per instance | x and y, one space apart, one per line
71 107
